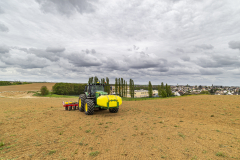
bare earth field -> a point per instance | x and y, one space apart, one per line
26 87
194 127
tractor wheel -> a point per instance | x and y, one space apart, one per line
81 102
70 108
114 110
66 108
89 107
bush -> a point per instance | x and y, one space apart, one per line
204 92
44 90
5 83
68 88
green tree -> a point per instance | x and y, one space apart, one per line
107 86
123 88
90 80
150 89
95 79
126 88
132 88
116 86
168 90
119 86
44 90
159 90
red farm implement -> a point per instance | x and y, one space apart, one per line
70 105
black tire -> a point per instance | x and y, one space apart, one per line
114 110
66 108
82 97
70 108
89 107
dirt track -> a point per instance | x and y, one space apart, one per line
176 128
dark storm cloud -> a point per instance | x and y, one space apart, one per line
185 58
29 61
52 56
210 71
110 64
67 7
4 49
205 46
55 49
3 28
140 59
82 59
217 61
234 44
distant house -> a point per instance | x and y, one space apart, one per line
176 94
180 92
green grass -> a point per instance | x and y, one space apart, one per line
138 99
94 153
181 135
51 152
1 144
220 154
55 95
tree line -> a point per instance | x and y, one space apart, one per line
68 88
6 83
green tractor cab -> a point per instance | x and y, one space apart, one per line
95 97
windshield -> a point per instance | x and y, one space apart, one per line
97 88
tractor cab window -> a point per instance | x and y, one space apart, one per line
97 88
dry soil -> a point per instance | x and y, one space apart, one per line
194 127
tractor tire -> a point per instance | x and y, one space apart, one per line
82 98
66 108
114 110
70 108
89 107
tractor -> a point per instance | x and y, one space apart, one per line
95 97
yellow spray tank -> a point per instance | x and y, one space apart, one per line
111 101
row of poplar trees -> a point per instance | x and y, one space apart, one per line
102 81
121 87
163 90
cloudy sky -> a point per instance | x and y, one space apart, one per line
172 41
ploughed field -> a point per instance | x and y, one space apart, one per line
26 87
194 127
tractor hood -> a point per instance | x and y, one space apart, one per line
101 93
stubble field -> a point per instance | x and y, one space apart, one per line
194 127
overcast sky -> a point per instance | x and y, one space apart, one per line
195 42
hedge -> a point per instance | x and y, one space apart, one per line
6 83
68 88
